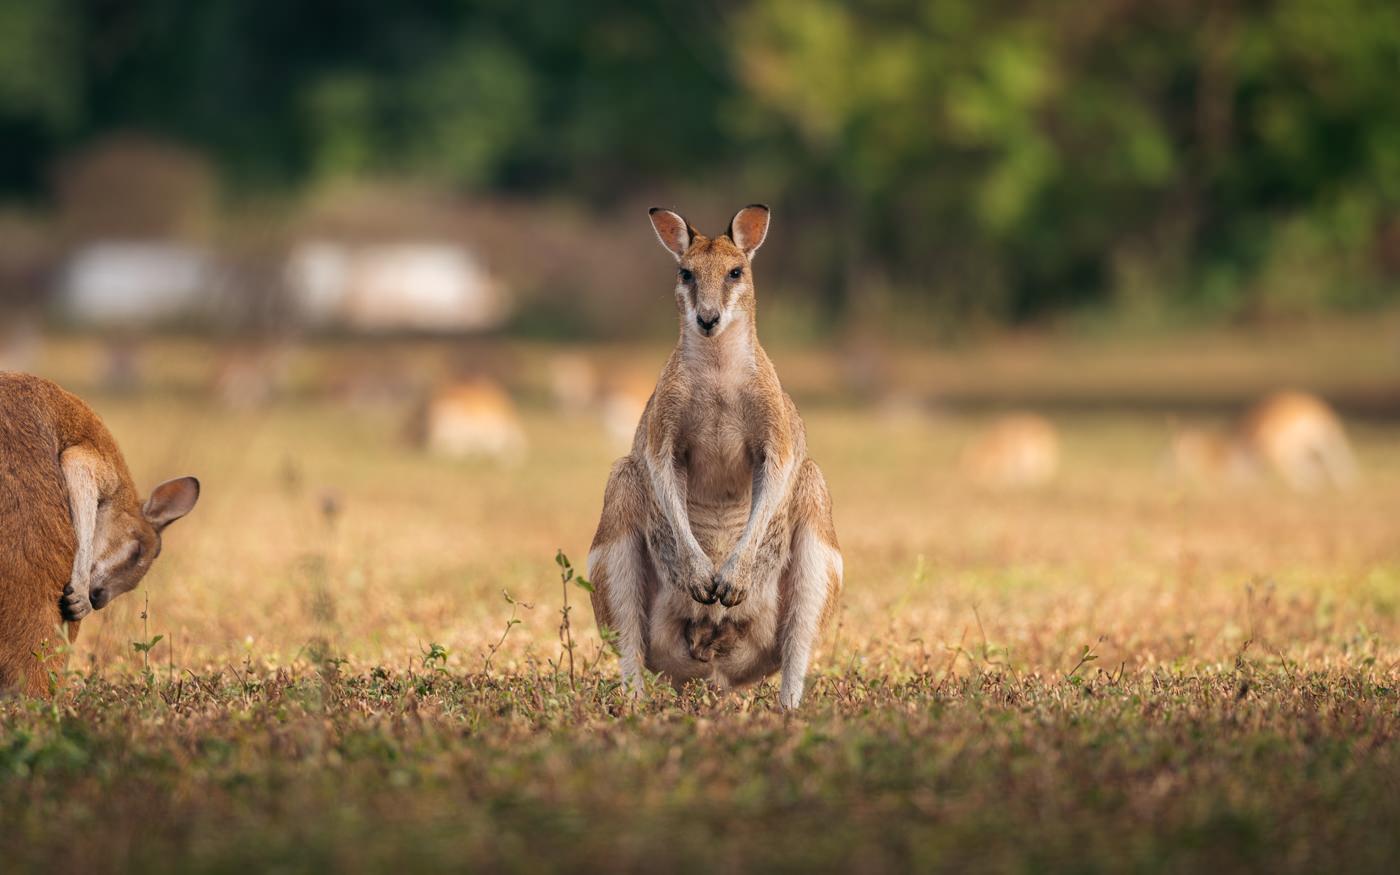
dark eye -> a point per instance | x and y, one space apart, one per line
686 276
736 273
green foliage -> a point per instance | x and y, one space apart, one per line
435 657
994 158
146 647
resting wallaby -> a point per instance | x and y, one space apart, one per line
74 534
1295 434
717 519
1017 451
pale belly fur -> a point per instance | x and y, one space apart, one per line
718 512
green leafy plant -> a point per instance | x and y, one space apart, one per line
148 643
566 636
515 605
435 658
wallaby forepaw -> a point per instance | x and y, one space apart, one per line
703 590
726 590
75 605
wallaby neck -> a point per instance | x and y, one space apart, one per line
731 355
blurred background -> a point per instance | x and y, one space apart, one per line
318 252
935 165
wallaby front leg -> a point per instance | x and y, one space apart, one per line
80 478
674 546
772 484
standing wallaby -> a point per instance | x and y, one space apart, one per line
717 519
74 534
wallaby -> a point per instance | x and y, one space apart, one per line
1017 451
573 382
622 405
249 376
473 418
706 639
1295 434
717 519
74 534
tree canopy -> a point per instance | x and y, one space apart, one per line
1006 157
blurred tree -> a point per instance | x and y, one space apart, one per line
999 159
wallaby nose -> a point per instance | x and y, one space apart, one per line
707 319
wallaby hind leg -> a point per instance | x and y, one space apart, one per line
623 585
811 582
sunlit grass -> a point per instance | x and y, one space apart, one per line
1114 672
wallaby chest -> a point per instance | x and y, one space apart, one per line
718 452
719 467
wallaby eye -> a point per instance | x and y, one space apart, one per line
736 273
686 276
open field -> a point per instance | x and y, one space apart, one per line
1116 672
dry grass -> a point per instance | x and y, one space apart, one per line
1115 672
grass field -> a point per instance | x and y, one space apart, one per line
1116 672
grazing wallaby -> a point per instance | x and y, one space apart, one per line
74 533
717 526
1294 434
471 419
249 376
573 382
1017 451
622 406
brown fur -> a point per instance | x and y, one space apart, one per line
40 426
1295 435
469 418
707 639
720 522
1019 450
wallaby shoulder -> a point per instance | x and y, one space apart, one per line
39 423
37 408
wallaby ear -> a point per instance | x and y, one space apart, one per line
748 228
674 232
171 500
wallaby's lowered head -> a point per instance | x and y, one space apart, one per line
51 433
124 536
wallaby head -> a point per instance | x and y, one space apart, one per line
714 281
128 536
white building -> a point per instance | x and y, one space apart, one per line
137 283
385 287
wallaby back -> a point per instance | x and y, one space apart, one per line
1019 450
1302 438
1296 435
38 420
